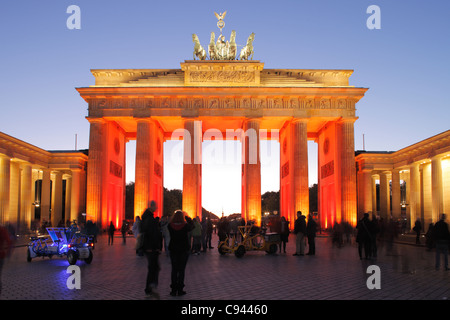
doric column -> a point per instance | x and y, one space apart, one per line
4 188
385 211
365 191
75 194
300 165
251 172
436 188
414 192
95 171
14 195
396 205
45 196
142 167
69 215
26 198
149 167
374 194
192 168
348 171
57 198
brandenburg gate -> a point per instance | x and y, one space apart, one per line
229 98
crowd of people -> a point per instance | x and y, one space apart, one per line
180 236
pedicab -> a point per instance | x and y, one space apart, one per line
251 239
67 242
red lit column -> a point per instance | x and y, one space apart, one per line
192 168
300 165
149 167
95 171
251 172
348 171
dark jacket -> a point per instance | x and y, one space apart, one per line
440 231
152 232
311 228
300 225
179 239
365 230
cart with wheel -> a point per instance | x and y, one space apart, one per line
251 240
67 242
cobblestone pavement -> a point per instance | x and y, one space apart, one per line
116 273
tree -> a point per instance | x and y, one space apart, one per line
270 201
173 200
129 201
313 196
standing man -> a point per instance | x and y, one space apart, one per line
152 247
311 229
441 238
300 232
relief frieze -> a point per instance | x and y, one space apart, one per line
222 76
220 103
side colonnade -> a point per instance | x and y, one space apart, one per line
40 187
406 185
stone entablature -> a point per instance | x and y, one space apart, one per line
24 152
31 183
438 145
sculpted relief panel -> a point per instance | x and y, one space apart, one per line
222 76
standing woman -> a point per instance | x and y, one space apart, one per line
179 250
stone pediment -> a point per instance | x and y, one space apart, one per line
207 73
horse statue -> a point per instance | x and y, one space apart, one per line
232 49
248 49
198 49
212 49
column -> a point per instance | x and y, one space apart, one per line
26 198
94 171
374 194
348 172
67 203
149 167
300 165
396 205
4 188
436 189
57 199
414 192
251 172
192 168
75 194
365 192
45 196
385 211
14 194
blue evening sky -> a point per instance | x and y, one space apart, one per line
405 65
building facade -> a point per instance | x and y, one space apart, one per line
38 186
219 99
411 183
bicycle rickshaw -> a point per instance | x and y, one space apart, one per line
250 240
68 242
